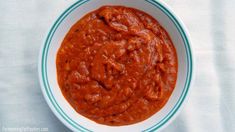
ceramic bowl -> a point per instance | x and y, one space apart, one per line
47 65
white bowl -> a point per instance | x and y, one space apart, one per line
47 65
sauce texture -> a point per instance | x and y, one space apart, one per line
117 66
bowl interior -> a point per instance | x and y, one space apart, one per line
52 92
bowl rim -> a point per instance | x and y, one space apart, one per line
63 117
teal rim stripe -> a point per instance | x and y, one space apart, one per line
45 81
189 66
48 89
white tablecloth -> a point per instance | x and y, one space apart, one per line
211 23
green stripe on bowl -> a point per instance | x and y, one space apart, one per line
189 66
44 68
46 84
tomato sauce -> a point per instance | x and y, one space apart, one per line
117 66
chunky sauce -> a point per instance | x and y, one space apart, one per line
117 66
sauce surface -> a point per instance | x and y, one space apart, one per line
117 66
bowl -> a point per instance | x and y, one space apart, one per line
48 76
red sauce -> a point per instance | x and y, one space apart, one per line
117 66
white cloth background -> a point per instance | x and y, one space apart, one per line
211 23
